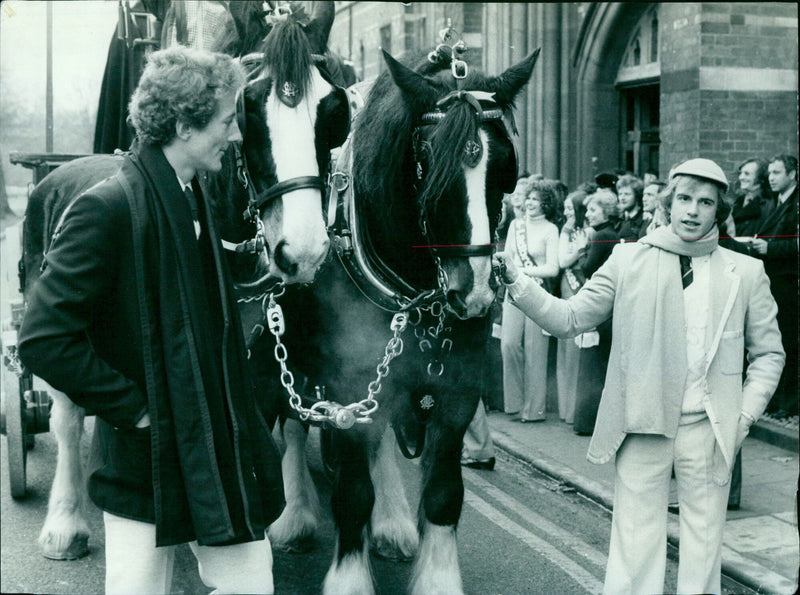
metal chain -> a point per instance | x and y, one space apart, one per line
340 416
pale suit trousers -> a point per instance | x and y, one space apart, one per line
638 548
135 566
478 439
524 348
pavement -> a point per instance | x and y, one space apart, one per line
760 548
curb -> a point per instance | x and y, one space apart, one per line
776 435
747 572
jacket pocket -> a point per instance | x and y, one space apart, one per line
731 352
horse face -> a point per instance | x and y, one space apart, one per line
294 117
466 162
467 214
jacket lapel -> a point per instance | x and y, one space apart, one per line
724 288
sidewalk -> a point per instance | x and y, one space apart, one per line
761 541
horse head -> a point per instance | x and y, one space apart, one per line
462 160
291 115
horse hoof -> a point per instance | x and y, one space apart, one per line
301 545
78 548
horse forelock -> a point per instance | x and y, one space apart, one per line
287 55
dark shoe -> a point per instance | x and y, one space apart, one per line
733 506
522 420
673 508
487 464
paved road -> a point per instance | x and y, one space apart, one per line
520 532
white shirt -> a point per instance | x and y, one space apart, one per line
697 313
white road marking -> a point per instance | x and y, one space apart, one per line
594 556
582 576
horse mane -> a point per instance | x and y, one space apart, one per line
287 51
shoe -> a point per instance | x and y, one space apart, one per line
486 464
522 420
733 506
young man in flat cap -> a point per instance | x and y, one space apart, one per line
684 310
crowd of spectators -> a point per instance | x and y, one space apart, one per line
621 207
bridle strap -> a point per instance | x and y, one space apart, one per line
290 185
464 251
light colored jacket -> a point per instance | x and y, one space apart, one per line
649 348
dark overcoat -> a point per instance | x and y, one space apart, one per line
134 313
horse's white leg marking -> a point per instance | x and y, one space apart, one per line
65 531
436 570
394 535
294 530
475 178
351 576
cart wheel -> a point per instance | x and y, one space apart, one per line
16 432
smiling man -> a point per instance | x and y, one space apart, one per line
684 312
135 319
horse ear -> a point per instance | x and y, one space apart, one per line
507 85
319 29
417 91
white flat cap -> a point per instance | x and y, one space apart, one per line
701 168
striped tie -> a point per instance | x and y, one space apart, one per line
686 270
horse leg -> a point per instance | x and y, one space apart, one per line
295 529
394 535
436 570
65 532
352 500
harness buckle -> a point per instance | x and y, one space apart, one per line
275 318
459 69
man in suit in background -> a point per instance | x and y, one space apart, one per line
776 245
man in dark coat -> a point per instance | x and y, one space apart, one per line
135 320
776 245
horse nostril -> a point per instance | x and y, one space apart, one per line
456 301
282 260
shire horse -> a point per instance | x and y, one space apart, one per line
395 326
291 115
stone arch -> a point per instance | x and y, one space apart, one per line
602 40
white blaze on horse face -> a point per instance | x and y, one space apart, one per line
481 295
292 134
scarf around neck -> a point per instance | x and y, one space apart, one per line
666 239
655 294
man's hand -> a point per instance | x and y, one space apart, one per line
759 246
504 265
144 422
742 431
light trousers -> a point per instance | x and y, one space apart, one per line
637 554
524 348
478 439
567 378
135 566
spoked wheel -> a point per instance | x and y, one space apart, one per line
17 438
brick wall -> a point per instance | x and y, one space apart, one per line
728 81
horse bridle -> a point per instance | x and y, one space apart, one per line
495 114
258 200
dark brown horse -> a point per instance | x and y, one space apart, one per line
395 326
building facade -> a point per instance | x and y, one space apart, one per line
618 85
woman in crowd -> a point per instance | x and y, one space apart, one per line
572 244
601 208
533 243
